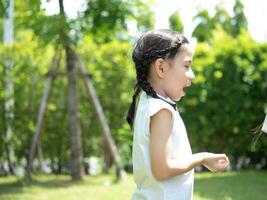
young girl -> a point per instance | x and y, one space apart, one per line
163 162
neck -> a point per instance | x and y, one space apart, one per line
158 89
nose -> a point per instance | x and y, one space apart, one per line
190 74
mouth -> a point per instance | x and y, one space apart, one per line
188 84
184 88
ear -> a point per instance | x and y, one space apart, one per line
161 67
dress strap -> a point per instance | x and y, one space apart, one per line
172 104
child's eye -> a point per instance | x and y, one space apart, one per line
187 66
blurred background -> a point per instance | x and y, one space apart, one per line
66 81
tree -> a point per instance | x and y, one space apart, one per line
222 18
228 95
68 33
9 88
203 29
206 24
239 20
176 22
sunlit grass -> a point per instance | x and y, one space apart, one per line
244 185
61 188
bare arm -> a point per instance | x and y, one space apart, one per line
163 167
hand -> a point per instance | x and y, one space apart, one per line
215 162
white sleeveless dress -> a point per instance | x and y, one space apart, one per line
148 188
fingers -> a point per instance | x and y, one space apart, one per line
223 159
220 156
223 163
227 160
215 162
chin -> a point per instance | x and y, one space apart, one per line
177 98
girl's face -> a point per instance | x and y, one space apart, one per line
179 74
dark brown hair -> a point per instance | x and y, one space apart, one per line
151 46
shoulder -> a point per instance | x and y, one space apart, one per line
155 105
162 118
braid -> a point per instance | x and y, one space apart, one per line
131 110
165 52
142 82
142 74
175 46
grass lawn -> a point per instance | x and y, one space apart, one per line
244 185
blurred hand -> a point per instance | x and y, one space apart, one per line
215 162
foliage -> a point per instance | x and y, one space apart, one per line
176 23
207 23
29 64
104 22
3 7
202 30
239 20
105 19
226 101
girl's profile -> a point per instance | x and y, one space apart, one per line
163 163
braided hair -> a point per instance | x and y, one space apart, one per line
151 46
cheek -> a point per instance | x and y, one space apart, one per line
176 82
177 78
180 77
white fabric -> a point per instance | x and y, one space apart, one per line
148 188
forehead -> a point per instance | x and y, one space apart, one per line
185 53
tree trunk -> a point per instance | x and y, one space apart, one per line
41 114
75 131
40 155
9 88
107 157
104 125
